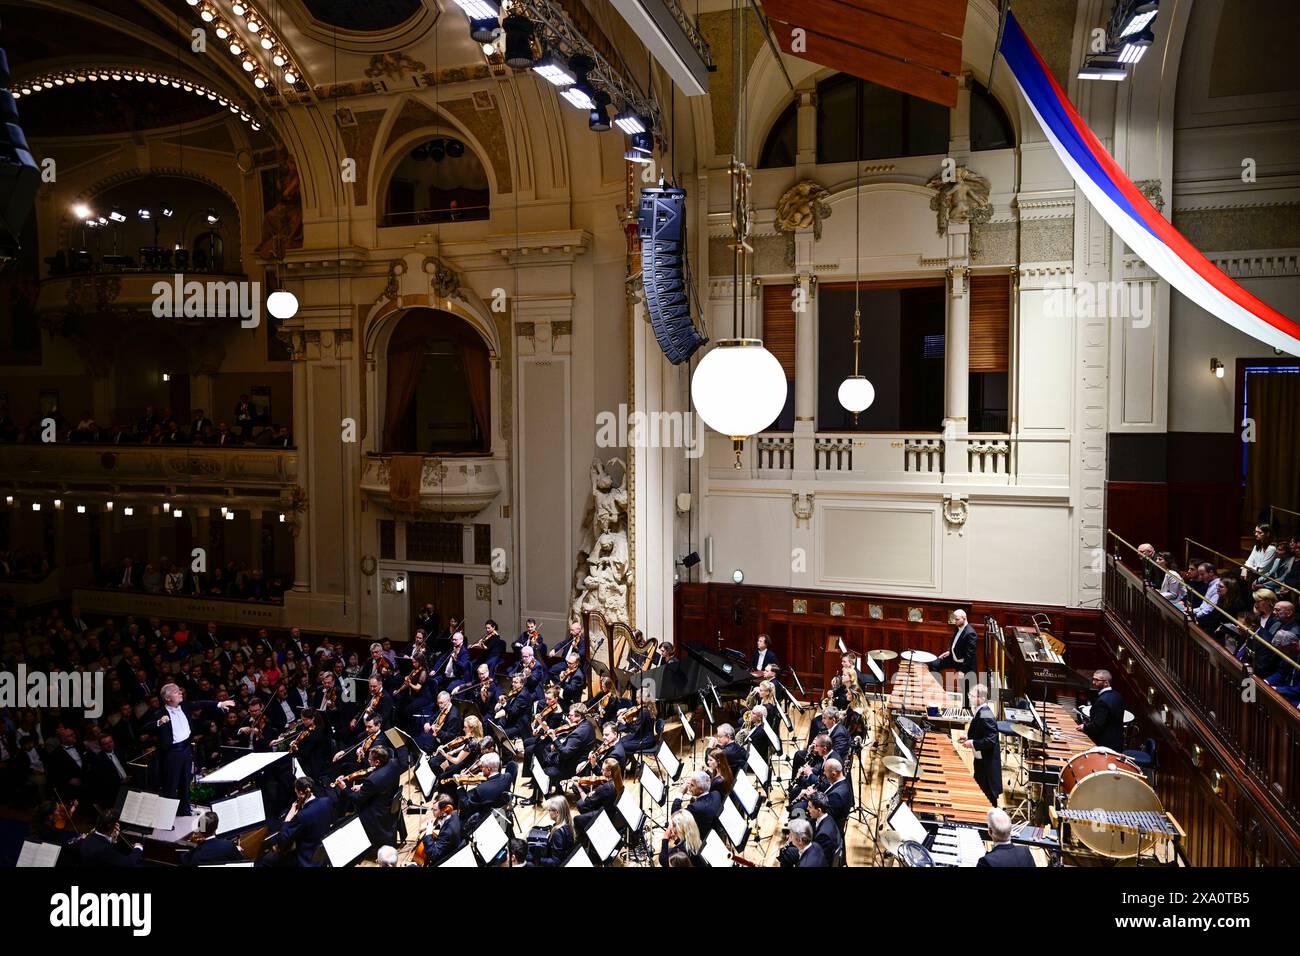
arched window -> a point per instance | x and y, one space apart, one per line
438 180
894 124
989 126
782 141
438 386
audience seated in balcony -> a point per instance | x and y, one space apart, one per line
1211 592
251 426
1262 554
1172 585
235 580
23 565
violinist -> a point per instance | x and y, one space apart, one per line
493 793
533 672
493 646
547 718
606 705
575 643
452 669
572 681
378 665
444 727
483 692
567 751
312 745
325 699
379 704
305 826
213 849
639 724
102 846
514 710
253 732
531 638
371 795
354 756
441 836
610 747
598 793
458 753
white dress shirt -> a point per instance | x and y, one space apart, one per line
180 724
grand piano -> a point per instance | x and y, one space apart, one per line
695 672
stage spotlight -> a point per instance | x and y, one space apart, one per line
519 42
631 122
641 149
1138 16
485 30
212 217
117 215
144 213
480 9
555 71
598 121
455 148
1135 47
81 211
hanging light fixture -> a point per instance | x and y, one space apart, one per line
856 393
739 387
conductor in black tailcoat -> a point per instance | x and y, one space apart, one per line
982 738
1105 724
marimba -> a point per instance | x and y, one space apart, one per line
916 688
1067 737
945 784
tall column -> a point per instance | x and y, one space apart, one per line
805 358
301 533
956 408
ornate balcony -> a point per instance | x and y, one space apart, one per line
448 485
61 465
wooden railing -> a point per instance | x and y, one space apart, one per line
1257 727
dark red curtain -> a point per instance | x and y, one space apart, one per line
479 386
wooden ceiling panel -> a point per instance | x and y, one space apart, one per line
891 37
945 16
869 65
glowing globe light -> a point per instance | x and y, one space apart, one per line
282 305
739 389
856 393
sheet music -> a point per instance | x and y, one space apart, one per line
629 809
425 776
489 839
541 777
715 852
241 768
348 842
668 760
39 854
222 866
905 824
603 837
579 859
771 735
462 857
143 809
243 810
758 765
651 784
732 822
744 791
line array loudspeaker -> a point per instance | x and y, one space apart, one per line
661 225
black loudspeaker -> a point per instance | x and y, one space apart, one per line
19 175
661 225
691 560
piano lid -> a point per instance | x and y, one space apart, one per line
682 679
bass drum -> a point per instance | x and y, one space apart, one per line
1101 779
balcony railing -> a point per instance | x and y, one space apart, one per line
1258 727
239 467
448 484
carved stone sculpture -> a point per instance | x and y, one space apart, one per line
600 577
962 196
802 205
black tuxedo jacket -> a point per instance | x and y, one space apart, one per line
1105 724
1006 854
962 649
309 827
982 731
215 850
97 850
447 842
491 793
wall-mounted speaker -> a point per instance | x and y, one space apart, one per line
691 560
661 226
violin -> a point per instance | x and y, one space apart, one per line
343 781
539 722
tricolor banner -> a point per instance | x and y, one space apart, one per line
1128 212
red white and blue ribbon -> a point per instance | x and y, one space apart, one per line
1128 212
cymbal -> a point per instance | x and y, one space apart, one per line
921 657
882 654
1030 733
900 766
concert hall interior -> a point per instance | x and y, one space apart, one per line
649 433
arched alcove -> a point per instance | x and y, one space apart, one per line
439 179
437 394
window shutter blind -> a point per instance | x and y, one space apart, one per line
990 323
778 325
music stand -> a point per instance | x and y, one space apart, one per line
465 856
578 859
346 844
715 852
489 839
603 837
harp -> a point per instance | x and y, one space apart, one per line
609 645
